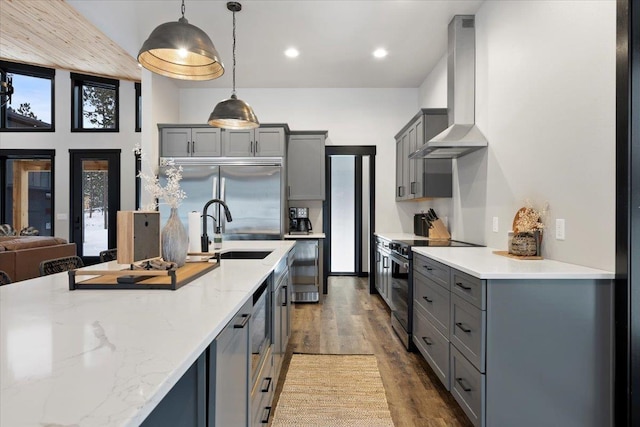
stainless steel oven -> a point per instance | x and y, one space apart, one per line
401 289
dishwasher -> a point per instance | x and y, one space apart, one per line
305 271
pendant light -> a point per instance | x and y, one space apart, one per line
182 51
233 113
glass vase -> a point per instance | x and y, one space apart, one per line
175 240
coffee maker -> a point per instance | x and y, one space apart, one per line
299 222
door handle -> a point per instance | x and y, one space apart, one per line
243 322
413 188
193 147
257 148
188 146
251 147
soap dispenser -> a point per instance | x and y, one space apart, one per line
217 239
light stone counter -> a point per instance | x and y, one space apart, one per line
484 264
107 357
305 236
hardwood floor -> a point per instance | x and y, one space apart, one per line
351 321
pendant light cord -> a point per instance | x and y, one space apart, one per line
234 54
182 9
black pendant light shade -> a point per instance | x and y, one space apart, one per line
233 113
181 51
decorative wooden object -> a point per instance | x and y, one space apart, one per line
145 279
438 231
138 236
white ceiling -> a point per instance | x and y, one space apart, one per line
335 38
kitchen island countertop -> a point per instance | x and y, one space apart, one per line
107 357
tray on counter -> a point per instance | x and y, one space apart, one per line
145 279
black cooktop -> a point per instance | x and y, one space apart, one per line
433 243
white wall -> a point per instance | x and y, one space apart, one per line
545 100
62 140
352 117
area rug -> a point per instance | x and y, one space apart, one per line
332 391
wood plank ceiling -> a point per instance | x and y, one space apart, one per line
53 34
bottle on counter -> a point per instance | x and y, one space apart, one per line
217 239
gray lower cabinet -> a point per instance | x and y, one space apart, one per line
186 403
517 351
265 141
176 141
383 270
305 165
229 372
281 301
262 394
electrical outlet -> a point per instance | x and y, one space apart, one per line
495 224
559 229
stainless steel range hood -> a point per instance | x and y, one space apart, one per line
462 136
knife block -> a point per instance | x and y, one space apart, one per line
438 231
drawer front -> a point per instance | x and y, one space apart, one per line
262 394
468 388
434 270
435 300
468 331
433 346
470 288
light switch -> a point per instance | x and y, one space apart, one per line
62 217
559 229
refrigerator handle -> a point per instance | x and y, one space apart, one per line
223 183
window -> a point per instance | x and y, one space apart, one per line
138 87
30 107
26 190
94 104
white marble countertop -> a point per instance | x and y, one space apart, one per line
107 357
484 264
305 236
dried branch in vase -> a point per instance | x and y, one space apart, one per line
171 193
529 219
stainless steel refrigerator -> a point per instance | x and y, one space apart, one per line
253 191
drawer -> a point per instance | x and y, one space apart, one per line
262 394
433 346
468 387
470 288
468 331
435 300
434 270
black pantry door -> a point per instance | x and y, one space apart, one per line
348 211
95 201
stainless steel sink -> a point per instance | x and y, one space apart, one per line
245 254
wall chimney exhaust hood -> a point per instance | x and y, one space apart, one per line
462 136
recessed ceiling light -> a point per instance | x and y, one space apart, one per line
292 52
380 53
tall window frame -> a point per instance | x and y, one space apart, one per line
138 87
14 68
6 155
78 83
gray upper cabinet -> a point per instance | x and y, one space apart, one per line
305 165
260 142
189 142
422 178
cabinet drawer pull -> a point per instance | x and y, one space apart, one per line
268 381
464 387
461 326
257 149
427 341
427 299
243 322
188 146
265 420
460 285
193 147
286 297
428 268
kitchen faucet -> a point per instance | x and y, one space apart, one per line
205 238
